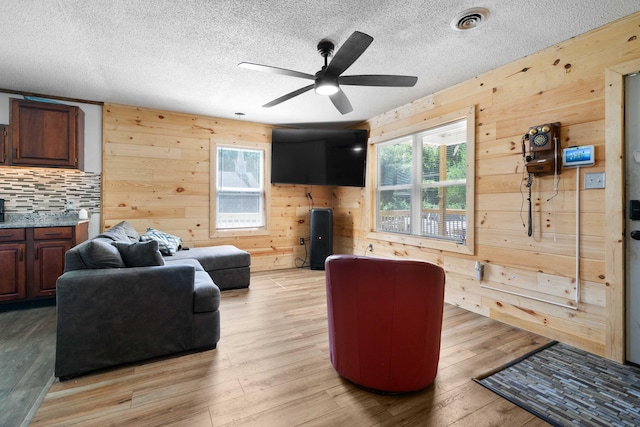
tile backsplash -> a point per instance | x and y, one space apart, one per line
48 190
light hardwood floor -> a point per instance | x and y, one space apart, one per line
272 368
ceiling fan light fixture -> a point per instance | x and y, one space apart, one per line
326 85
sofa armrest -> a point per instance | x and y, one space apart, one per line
111 316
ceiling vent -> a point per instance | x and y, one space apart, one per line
469 19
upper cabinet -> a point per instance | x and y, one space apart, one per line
4 144
46 135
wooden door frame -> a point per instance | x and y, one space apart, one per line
614 208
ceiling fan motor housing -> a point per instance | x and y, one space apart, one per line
325 83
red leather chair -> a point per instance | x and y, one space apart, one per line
385 321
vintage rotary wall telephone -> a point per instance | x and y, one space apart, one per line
544 156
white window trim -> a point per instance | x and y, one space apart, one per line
421 241
214 144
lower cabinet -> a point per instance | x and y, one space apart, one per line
13 265
49 247
32 259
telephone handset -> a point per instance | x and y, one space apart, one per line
544 149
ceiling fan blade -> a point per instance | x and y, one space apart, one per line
341 102
378 80
288 96
350 50
276 70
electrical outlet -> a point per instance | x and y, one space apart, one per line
302 241
70 205
370 247
479 271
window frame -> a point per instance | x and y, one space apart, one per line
466 247
216 143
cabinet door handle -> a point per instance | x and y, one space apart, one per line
36 254
20 254
6 235
53 233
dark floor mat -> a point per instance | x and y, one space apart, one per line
569 387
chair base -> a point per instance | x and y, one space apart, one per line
385 392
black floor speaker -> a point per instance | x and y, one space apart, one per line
321 237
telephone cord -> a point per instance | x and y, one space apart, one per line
530 186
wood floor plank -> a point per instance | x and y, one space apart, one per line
27 339
293 412
440 409
272 368
200 419
499 409
356 408
253 404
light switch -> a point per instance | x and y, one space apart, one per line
594 180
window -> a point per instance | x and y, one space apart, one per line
424 184
238 188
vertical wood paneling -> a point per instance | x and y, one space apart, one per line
571 83
156 174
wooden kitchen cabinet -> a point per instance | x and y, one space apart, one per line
32 259
49 247
46 135
4 144
13 266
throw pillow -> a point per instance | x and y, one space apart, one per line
121 232
131 232
99 253
167 243
140 254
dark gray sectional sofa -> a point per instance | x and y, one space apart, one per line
120 301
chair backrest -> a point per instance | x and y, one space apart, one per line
385 320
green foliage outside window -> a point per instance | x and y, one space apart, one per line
396 162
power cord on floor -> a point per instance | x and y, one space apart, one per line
303 262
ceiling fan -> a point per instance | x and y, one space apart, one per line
327 81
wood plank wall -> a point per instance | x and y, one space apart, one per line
156 173
564 83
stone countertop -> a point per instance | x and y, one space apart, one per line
48 219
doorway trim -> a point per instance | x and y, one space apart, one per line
614 208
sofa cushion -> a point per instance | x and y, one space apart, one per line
206 295
100 253
217 257
189 261
140 254
168 243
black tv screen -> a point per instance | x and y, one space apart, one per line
319 157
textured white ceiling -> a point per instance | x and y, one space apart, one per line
182 55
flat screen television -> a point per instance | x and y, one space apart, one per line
319 157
